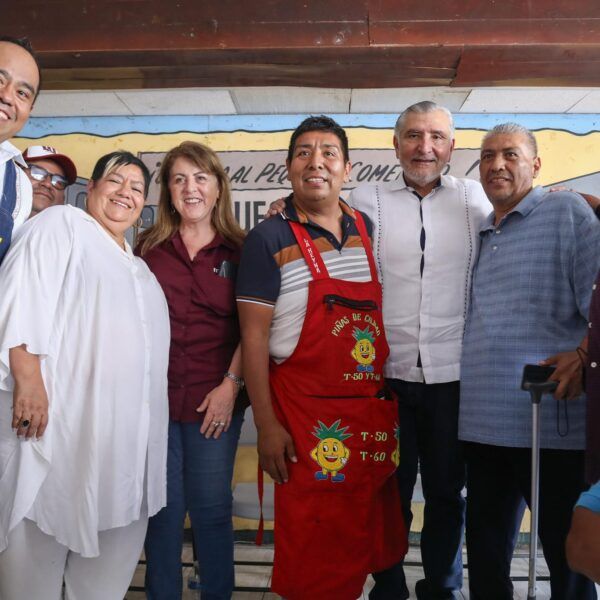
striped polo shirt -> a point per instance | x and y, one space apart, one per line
273 272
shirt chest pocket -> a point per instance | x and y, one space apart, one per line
215 294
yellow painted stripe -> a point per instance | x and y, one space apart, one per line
564 155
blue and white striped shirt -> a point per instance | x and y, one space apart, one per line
530 298
273 271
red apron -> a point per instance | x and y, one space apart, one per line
339 517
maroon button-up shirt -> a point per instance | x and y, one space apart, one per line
204 324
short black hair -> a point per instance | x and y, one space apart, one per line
24 43
120 158
319 123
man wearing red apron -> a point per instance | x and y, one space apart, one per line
313 348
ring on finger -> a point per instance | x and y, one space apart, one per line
25 423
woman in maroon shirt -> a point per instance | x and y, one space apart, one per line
193 249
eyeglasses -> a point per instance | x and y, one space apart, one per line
39 174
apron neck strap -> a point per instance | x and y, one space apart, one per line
311 255
366 242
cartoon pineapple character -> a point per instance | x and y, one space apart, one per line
364 350
331 454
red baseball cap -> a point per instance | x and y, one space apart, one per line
35 153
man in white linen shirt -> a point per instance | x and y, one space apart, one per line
19 86
425 239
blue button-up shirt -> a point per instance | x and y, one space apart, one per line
530 298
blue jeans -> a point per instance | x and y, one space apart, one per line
429 437
199 472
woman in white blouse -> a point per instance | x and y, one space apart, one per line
84 340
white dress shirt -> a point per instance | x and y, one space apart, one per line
98 319
424 314
24 193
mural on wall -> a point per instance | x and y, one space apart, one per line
254 149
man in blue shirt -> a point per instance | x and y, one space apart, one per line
529 304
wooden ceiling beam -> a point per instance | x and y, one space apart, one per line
465 10
367 75
565 65
103 44
522 32
436 57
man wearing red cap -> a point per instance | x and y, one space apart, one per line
50 172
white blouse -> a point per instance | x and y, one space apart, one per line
99 321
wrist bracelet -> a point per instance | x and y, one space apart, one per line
237 380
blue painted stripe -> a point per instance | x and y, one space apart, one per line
111 126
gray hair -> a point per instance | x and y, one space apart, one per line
510 129
426 106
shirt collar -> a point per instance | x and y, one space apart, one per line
127 250
527 204
8 152
400 183
291 213
217 241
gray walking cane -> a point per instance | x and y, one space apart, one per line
535 381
